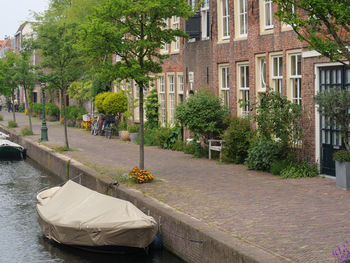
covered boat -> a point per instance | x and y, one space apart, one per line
75 215
11 151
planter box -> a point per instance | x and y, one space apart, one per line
133 136
342 172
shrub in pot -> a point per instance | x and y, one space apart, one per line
342 169
133 132
123 132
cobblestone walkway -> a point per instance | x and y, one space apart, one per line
300 219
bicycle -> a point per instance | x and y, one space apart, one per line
107 126
95 125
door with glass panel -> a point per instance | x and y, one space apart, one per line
331 139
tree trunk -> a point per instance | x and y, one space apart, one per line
63 106
142 148
29 110
346 139
13 108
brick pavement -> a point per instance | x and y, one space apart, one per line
299 219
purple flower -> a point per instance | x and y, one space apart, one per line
342 254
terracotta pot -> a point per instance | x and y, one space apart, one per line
124 135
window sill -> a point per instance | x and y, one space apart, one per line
223 41
285 28
266 31
241 38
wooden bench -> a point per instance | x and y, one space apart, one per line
215 145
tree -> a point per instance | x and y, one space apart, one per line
323 24
277 117
115 103
60 59
80 91
152 110
134 30
25 76
8 83
334 105
204 114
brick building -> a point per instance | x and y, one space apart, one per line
237 49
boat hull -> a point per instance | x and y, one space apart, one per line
11 153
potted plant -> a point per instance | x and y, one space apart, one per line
123 131
334 104
133 132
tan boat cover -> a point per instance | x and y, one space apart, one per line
76 215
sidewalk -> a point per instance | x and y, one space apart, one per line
302 220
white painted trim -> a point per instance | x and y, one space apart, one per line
310 54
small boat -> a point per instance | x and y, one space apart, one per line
11 151
77 216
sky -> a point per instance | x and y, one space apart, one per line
14 12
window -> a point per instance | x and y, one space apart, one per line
277 73
260 73
176 25
268 14
224 84
295 77
243 85
180 88
162 99
205 19
171 108
225 19
180 83
166 45
192 3
243 18
292 10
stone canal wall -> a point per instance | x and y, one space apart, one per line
190 239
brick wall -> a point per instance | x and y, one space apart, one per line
203 57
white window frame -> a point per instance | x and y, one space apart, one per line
295 78
204 20
268 13
224 84
180 84
261 73
243 12
192 3
243 87
165 48
277 73
225 19
171 99
287 27
176 25
162 102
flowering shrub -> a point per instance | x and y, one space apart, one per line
141 176
342 254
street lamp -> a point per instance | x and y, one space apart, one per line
43 124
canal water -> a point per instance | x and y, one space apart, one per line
21 239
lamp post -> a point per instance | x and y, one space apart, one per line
43 124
